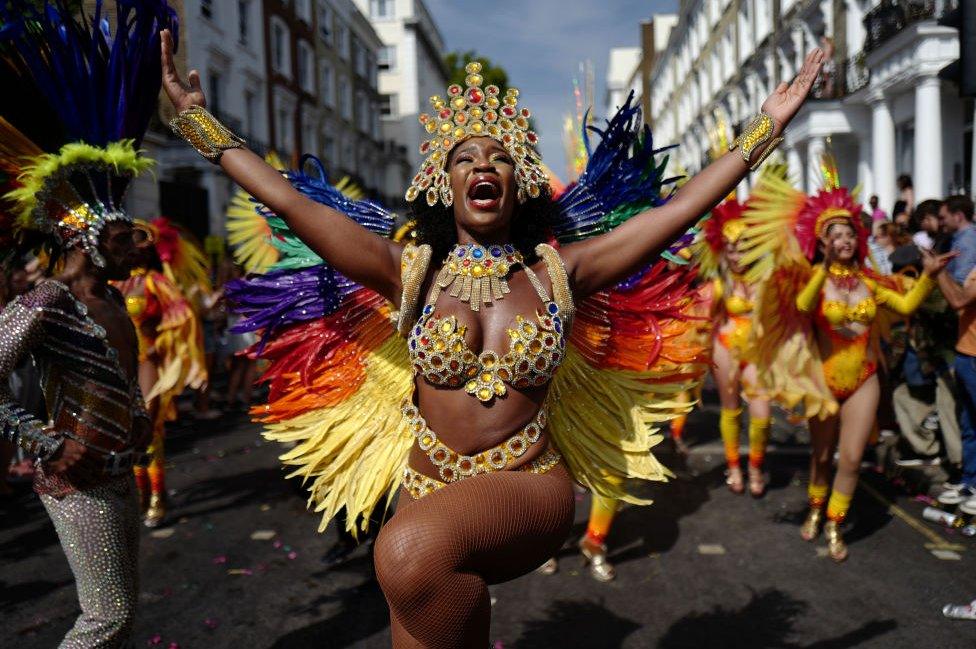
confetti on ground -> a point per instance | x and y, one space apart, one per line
211 623
164 533
711 548
946 555
822 552
265 507
247 572
263 535
277 544
293 555
219 559
155 640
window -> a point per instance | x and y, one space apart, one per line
327 88
342 40
386 58
207 8
283 127
345 99
362 112
371 68
243 31
358 57
280 60
303 9
309 143
381 8
329 147
250 112
215 92
306 67
325 22
390 105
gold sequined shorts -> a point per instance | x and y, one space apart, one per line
419 485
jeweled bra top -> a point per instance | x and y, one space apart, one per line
440 354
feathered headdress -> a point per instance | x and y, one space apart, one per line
832 204
183 262
83 103
723 225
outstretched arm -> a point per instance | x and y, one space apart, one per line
602 261
357 253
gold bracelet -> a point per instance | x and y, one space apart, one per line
758 132
202 130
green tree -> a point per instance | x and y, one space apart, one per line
456 61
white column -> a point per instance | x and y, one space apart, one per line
795 165
864 179
883 151
928 179
815 151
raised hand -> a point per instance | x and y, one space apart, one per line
183 95
933 264
786 100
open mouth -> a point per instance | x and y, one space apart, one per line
485 193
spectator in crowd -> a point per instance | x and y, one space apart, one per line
906 193
925 224
879 245
877 214
958 285
899 213
241 369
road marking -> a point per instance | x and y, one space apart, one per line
947 555
711 548
937 542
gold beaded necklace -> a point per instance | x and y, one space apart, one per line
478 275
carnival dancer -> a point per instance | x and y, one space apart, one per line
469 415
171 355
69 135
719 256
823 324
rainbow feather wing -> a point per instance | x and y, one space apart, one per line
632 351
336 370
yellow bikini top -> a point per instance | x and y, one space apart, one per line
838 312
734 304
440 354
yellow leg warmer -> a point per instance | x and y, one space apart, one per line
728 426
758 439
817 495
838 505
602 512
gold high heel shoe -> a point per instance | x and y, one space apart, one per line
811 525
733 480
835 541
156 511
595 556
757 483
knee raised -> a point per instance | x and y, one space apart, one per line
407 566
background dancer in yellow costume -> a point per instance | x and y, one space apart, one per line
818 327
719 255
171 356
484 443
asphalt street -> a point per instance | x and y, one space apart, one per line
240 565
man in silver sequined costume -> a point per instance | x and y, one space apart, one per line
79 336
87 80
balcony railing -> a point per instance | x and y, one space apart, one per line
892 16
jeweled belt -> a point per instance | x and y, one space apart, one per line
452 466
419 485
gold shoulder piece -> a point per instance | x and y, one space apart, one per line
413 269
561 292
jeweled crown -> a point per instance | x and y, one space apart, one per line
476 112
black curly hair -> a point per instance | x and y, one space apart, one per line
531 225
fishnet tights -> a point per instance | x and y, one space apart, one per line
436 556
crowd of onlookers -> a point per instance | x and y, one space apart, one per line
930 361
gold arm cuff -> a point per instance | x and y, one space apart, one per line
765 154
758 132
204 133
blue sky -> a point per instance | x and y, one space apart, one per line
541 43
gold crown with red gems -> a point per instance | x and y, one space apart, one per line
476 112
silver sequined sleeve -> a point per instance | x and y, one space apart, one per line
20 331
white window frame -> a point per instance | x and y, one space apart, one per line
303 9
325 24
386 55
391 102
306 66
344 97
282 67
342 40
244 22
375 13
208 9
327 81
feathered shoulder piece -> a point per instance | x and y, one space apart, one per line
85 94
184 262
635 347
337 370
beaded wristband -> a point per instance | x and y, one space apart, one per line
757 133
202 130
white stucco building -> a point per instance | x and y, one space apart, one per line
411 71
223 40
623 76
880 104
